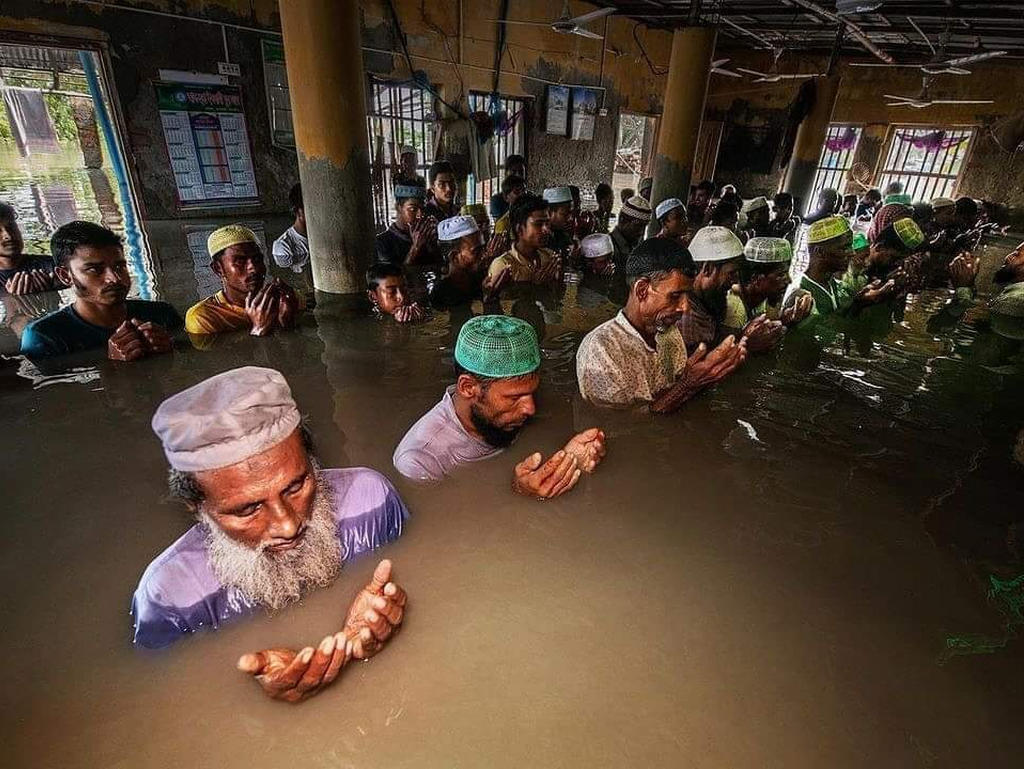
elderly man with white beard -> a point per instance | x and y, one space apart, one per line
270 526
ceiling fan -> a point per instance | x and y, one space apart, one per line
939 64
718 67
568 25
922 100
775 77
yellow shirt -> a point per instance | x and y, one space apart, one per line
501 224
523 270
215 315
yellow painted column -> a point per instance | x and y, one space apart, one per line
325 77
689 71
810 139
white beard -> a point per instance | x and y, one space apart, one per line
273 579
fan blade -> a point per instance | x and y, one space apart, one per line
727 73
529 23
872 64
746 71
600 13
900 98
963 101
940 70
587 33
797 76
719 62
971 59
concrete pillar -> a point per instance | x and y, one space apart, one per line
810 138
88 134
686 91
325 76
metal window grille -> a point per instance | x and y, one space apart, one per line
398 115
836 157
930 170
513 143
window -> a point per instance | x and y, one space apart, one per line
511 143
927 161
398 115
836 158
634 150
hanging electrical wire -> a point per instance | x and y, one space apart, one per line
422 82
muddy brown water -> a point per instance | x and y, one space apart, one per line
765 579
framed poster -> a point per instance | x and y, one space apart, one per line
207 143
584 110
279 105
557 110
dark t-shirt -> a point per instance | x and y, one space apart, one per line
31 262
499 206
392 246
65 331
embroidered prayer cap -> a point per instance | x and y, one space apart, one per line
860 240
938 203
909 232
658 255
827 228
558 195
407 149
456 227
497 347
665 206
715 244
474 209
768 250
231 235
410 191
597 245
899 197
755 204
226 419
638 208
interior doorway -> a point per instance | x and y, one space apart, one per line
634 152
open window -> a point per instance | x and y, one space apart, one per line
511 141
836 158
926 160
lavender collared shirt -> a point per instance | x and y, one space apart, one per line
180 594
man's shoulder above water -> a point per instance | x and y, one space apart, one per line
63 331
215 314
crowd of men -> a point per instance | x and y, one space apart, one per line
707 282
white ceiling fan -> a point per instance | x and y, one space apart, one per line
922 100
567 25
775 77
718 67
938 64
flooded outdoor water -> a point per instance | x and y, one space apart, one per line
778 575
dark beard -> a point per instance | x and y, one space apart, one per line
493 436
1004 275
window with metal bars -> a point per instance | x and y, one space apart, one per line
512 143
926 160
836 158
399 115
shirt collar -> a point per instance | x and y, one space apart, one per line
623 321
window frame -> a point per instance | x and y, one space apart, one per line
824 174
478 101
951 184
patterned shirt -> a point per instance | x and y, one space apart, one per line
616 367
523 270
180 594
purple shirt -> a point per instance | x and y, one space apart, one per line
438 443
179 593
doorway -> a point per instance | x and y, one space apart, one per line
634 152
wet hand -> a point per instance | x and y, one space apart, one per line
798 311
763 334
705 368
551 271
287 303
154 337
533 477
608 269
295 676
963 270
29 282
376 612
588 448
126 344
261 307
875 292
409 313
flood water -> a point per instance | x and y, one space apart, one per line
767 578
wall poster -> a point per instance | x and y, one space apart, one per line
557 110
208 143
584 110
279 105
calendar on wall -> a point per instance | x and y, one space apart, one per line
207 144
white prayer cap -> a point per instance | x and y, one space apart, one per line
597 245
407 149
638 208
455 227
558 195
942 203
715 244
768 250
754 204
226 419
667 205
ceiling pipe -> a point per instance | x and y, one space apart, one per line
853 29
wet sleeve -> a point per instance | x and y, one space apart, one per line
156 625
198 320
418 465
282 252
371 528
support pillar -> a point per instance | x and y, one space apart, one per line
88 134
686 91
810 138
323 51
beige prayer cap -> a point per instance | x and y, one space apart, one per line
225 419
937 203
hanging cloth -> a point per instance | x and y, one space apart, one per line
30 121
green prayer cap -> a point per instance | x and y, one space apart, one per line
768 250
909 232
474 210
827 228
860 240
899 197
497 347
